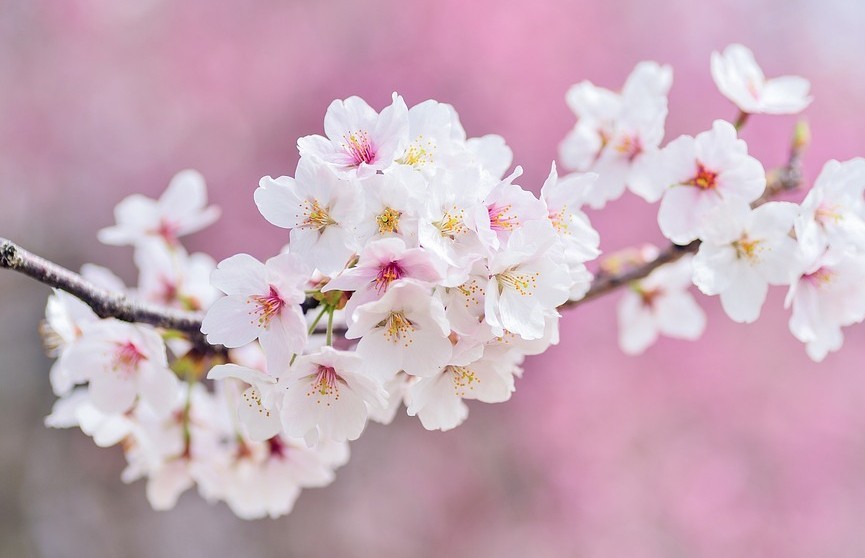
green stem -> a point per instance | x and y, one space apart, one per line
741 120
329 336
311 329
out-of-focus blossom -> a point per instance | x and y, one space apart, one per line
182 209
743 252
660 304
616 134
741 80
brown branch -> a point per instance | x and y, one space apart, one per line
787 178
105 304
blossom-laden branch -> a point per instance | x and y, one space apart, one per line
107 304
785 179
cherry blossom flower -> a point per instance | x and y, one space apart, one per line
263 302
491 153
447 227
259 405
833 212
172 277
436 137
471 373
264 479
359 141
392 204
741 80
563 198
616 134
122 361
743 252
319 208
327 396
699 174
660 304
525 284
406 329
380 265
506 207
182 209
827 296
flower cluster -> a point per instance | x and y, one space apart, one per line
711 194
441 273
418 273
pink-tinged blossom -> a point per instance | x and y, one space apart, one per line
263 302
660 304
448 228
259 404
359 140
436 137
392 204
505 208
697 175
743 252
319 208
381 264
526 285
472 373
833 212
264 479
406 329
121 362
741 80
617 134
577 240
172 277
328 396
182 209
827 295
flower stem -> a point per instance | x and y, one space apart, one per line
741 120
329 335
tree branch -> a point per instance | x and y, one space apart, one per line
105 304
108 304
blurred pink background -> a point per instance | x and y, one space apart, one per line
736 445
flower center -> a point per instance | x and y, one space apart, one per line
418 154
648 296
828 213
387 274
451 224
388 221
167 230
523 283
359 147
127 357
820 278
464 380
277 447
266 306
316 216
748 248
559 219
398 328
325 384
501 218
630 147
704 179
